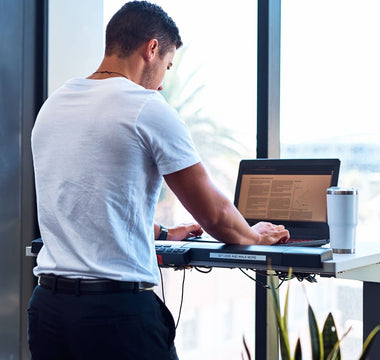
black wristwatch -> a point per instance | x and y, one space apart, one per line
163 234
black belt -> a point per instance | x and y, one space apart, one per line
79 286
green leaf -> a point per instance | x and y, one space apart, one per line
336 349
285 317
282 328
298 350
330 337
315 337
284 345
368 342
275 298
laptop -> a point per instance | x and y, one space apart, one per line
291 192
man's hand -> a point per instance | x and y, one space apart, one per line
183 231
270 234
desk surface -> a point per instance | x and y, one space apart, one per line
364 265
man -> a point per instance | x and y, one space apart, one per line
101 147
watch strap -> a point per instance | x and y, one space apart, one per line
163 233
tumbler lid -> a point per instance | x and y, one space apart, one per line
336 190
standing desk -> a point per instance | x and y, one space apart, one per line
364 266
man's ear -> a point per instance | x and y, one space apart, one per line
151 50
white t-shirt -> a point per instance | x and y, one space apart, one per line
100 148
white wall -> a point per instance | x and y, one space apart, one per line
76 39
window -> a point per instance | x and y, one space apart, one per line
329 108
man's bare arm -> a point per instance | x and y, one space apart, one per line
179 232
215 213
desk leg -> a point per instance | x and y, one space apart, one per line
266 335
371 315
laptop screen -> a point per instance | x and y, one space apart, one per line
286 191
284 197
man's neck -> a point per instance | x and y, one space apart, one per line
113 66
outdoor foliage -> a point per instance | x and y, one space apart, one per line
184 92
217 145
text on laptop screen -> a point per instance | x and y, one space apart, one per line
284 197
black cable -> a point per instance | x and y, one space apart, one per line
281 276
284 276
182 296
280 283
162 286
266 286
182 293
208 269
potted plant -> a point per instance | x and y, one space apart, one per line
325 344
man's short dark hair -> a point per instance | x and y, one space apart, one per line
138 22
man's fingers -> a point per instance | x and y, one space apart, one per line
283 236
195 229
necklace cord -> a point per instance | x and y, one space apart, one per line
109 73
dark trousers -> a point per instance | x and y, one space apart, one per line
125 326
